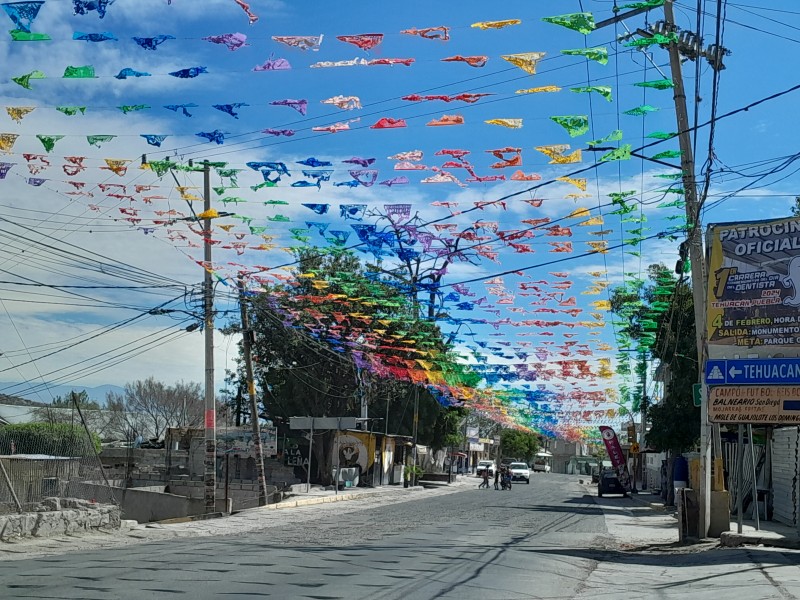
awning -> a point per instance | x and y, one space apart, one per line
461 454
544 453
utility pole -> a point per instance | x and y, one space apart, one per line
695 248
210 462
362 396
416 423
247 343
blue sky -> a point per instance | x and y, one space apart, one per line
760 65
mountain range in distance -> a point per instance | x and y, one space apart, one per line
45 394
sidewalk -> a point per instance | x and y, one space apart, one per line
771 533
293 510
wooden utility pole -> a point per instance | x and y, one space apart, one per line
210 461
695 250
247 343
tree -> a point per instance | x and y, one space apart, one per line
148 407
303 369
519 444
80 398
52 439
675 421
796 207
73 408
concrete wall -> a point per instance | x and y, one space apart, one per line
146 506
244 494
63 516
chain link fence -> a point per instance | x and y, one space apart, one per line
47 460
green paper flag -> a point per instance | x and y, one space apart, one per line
619 197
86 72
49 141
18 35
658 84
581 22
599 54
574 124
127 108
667 154
603 90
660 135
71 111
97 140
25 80
662 40
623 210
638 5
621 153
614 136
640 111
160 167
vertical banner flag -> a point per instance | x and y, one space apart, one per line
616 455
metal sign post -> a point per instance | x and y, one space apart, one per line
310 454
338 470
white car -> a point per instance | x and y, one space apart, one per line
483 465
520 471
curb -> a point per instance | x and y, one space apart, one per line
654 505
329 499
730 539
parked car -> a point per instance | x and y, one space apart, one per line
609 484
483 465
520 472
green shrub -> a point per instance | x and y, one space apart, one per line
55 439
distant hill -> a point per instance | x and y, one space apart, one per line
43 396
17 401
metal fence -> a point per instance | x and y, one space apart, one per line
47 460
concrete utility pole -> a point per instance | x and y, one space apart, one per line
695 247
247 343
210 462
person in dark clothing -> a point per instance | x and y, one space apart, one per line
485 482
497 480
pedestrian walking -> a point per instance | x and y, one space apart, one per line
497 480
485 482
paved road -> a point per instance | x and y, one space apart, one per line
548 540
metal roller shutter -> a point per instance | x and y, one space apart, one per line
786 475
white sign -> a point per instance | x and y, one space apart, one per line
322 422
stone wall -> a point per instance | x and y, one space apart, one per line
58 516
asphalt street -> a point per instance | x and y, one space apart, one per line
550 539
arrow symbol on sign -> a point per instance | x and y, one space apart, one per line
734 372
